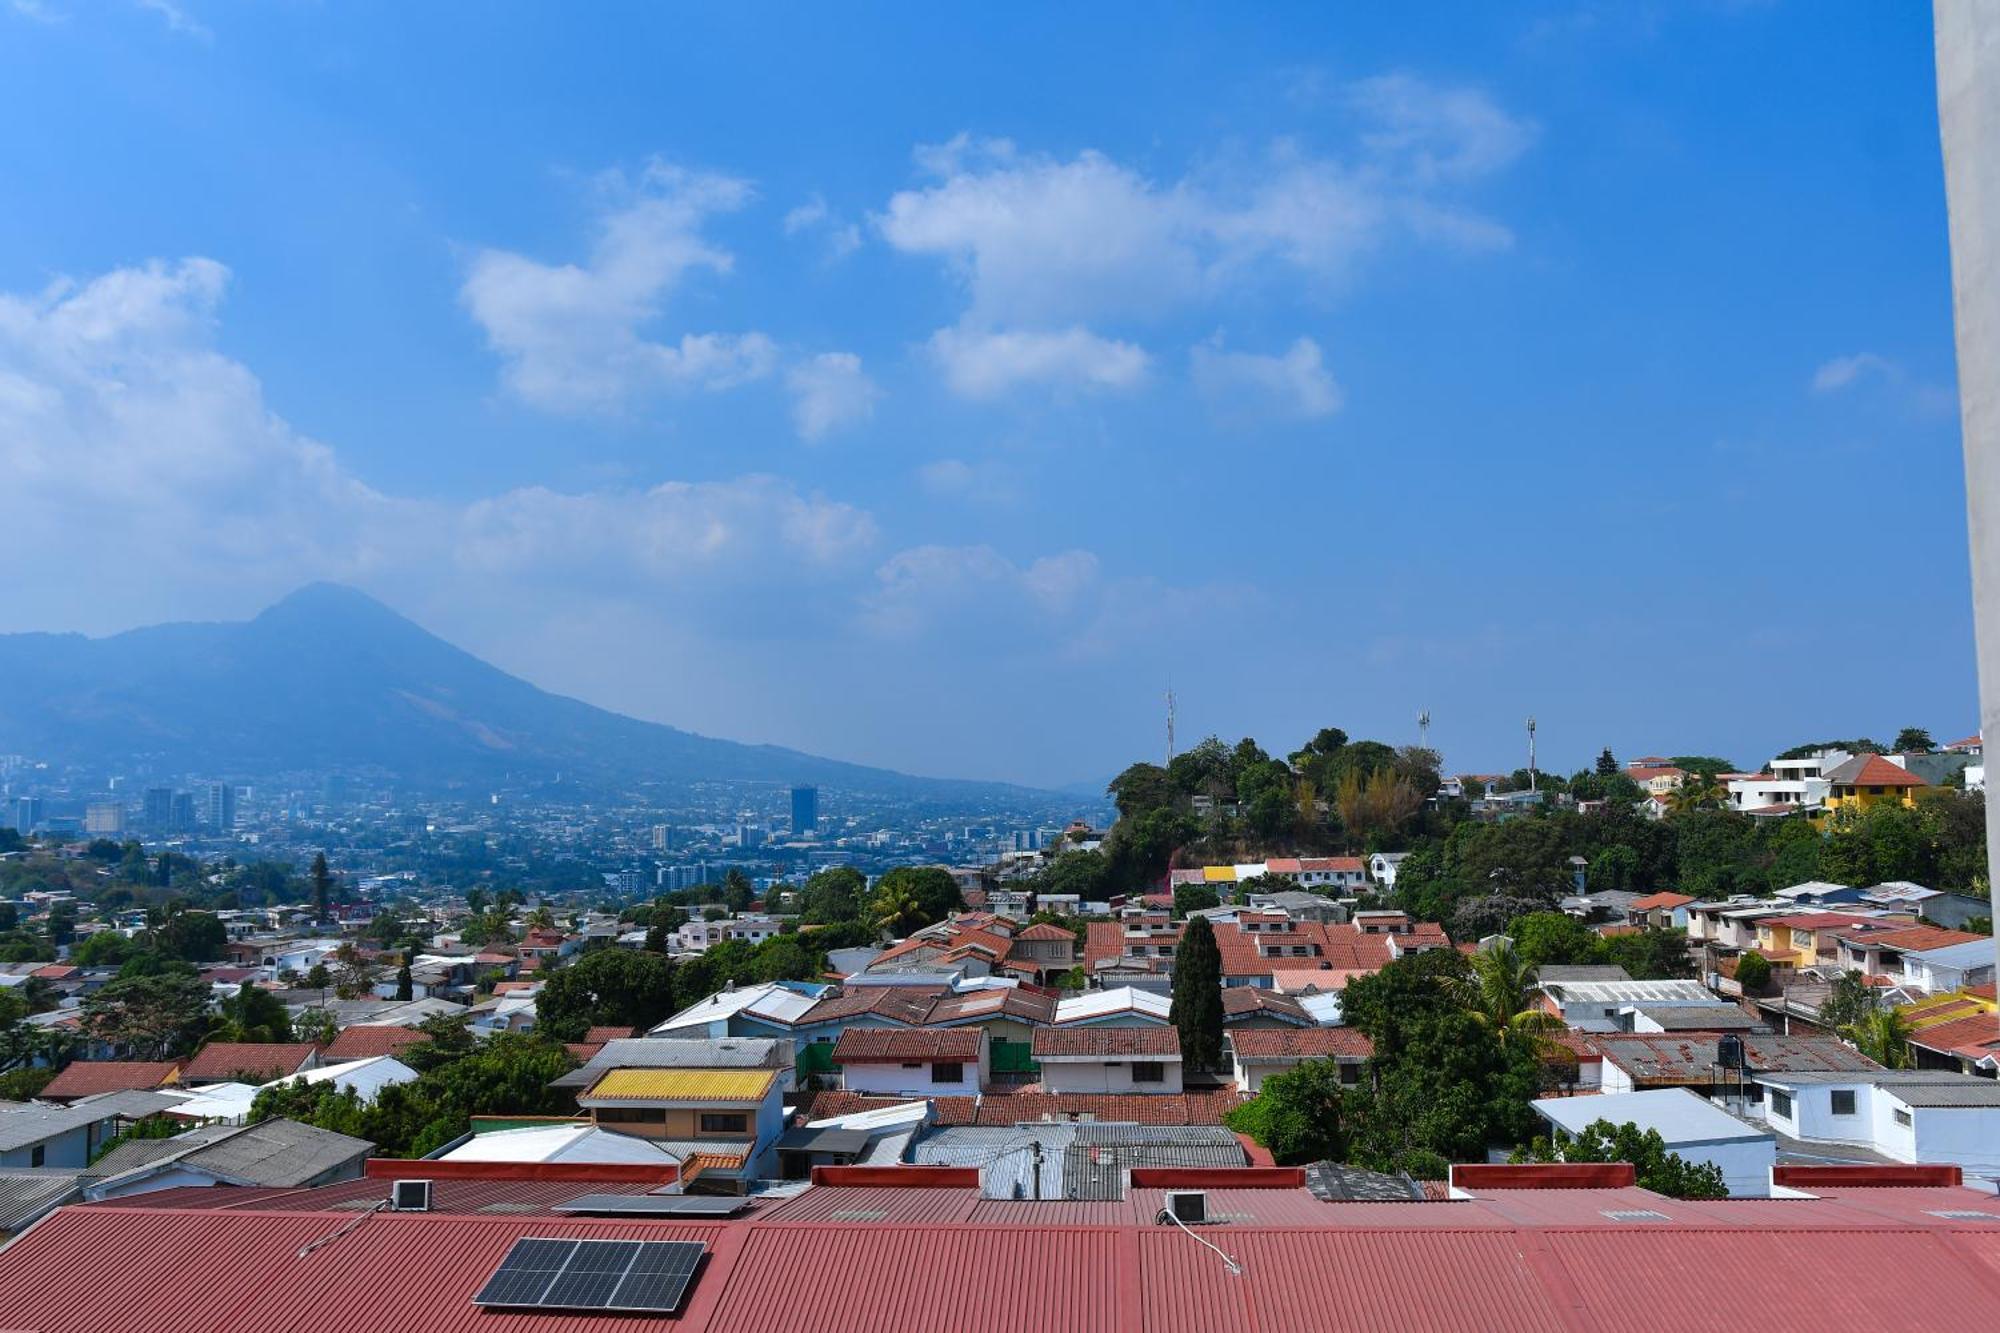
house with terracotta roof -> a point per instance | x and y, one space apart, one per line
1632 1062
1968 1042
1881 951
1868 780
1662 911
365 1040
1258 1053
914 1062
1109 1059
249 1061
91 1078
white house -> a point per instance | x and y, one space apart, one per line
1932 1116
699 936
1953 967
1692 1127
1109 1059
1382 867
914 1062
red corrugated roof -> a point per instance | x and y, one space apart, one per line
1663 899
891 1260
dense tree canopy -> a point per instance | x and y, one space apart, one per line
626 988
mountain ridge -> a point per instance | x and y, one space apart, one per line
329 677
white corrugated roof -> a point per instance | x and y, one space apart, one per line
1112 1001
557 1143
779 1003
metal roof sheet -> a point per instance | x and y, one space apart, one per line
721 1085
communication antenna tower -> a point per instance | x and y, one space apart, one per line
1531 754
1170 722
1424 729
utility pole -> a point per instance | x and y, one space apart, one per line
1170 722
1531 754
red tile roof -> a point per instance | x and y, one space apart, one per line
1045 930
596 1035
370 1039
1328 948
1654 901
1301 1043
87 1078
1917 939
1242 1003
1873 771
858 1046
1152 1042
835 1102
247 1061
1350 864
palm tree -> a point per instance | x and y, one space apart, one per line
541 918
1500 995
1698 791
898 909
1883 1037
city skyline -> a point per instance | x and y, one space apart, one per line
860 394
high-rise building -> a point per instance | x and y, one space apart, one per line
159 807
805 809
104 819
29 812
663 838
218 809
184 811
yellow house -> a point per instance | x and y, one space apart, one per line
1868 780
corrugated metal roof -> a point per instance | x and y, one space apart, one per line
25 1194
718 1085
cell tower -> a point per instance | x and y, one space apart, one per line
1531 754
1170 722
1424 729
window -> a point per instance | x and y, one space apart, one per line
1148 1071
948 1071
913 1064
724 1122
629 1115
1903 1118
1350 1072
36 1157
1781 1104
1843 1101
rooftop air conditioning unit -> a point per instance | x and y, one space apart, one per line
410 1196
1188 1205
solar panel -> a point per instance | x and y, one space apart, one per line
660 1276
528 1271
542 1273
655 1205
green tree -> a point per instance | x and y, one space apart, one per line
405 984
1883 1037
194 937
1194 898
607 988
322 890
1913 740
150 1018
1849 1000
1606 764
838 893
1657 1169
104 948
1544 938
1297 1115
253 1014
1197 1002
1499 995
1753 972
921 894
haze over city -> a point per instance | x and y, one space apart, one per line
919 390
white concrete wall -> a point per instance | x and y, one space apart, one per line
1966 1136
1968 76
1746 1163
1105 1076
896 1080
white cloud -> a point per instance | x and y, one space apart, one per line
944 589
984 482
178 19
572 336
1242 386
830 392
1040 243
143 462
1843 371
842 238
987 364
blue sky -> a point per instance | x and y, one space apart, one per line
927 387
